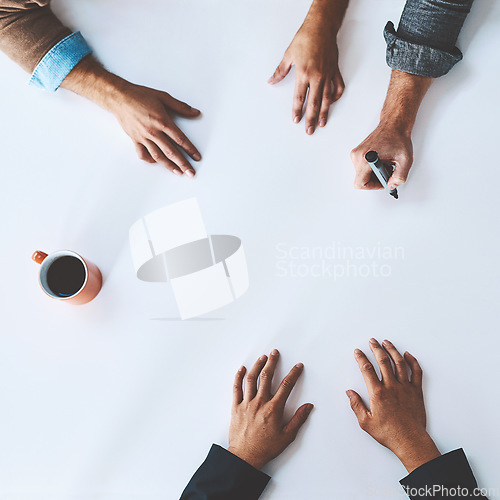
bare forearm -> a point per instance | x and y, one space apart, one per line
330 13
91 80
403 100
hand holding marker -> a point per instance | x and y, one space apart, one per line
380 170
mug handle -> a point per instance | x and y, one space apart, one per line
39 257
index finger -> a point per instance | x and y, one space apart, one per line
370 377
299 97
180 138
287 384
238 386
366 179
172 153
313 106
383 361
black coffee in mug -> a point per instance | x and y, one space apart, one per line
65 276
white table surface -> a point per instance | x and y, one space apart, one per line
119 399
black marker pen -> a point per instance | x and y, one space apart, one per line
380 170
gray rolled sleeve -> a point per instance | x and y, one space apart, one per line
424 43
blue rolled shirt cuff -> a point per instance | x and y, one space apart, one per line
415 58
59 61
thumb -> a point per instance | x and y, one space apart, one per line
281 71
298 420
399 175
357 405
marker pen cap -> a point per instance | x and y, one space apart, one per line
371 156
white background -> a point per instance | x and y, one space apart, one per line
119 399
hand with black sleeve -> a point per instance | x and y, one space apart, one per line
258 433
396 419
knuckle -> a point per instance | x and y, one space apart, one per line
384 361
300 98
265 375
367 367
362 418
302 417
315 103
250 378
158 123
268 411
156 156
315 76
286 383
170 154
179 140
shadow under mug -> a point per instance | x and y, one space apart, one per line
65 275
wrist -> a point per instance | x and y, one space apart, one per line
91 80
247 457
396 123
403 100
327 14
416 451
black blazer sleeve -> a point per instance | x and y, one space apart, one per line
440 478
224 476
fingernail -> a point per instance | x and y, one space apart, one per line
348 393
309 407
177 172
194 110
299 365
196 157
310 130
386 342
274 352
322 123
296 119
373 341
357 351
262 358
241 368
189 173
270 80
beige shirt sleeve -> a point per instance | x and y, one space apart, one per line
28 30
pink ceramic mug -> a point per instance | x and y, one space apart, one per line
65 275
